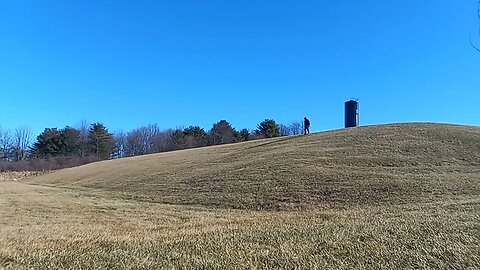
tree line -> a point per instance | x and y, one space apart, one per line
56 148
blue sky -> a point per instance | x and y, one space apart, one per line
179 63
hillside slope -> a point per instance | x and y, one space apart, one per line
367 165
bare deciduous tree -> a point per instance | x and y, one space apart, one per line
142 140
296 128
6 145
284 130
134 142
149 133
83 127
120 138
477 48
163 141
23 139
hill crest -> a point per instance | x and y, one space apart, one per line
371 164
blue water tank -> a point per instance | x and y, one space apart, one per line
351 113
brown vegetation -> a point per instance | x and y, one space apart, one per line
45 164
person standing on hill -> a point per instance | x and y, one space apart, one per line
306 126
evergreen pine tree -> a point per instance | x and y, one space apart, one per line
100 141
268 128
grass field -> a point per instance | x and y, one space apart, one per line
392 196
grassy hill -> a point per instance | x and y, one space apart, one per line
381 197
366 165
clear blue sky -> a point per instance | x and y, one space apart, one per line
179 63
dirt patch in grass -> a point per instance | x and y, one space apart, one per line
18 176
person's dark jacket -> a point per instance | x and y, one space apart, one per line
307 122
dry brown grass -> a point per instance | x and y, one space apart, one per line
368 165
396 196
